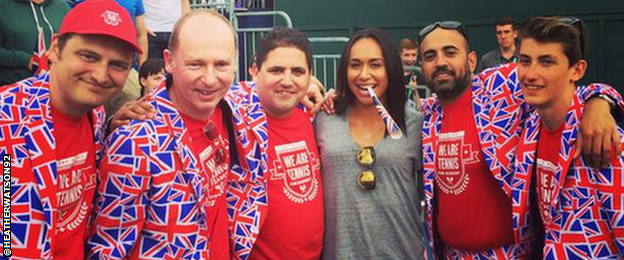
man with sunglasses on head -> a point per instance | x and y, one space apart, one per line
51 128
577 210
468 164
162 190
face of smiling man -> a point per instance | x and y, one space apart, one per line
282 80
202 65
447 65
87 71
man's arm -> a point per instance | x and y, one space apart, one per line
598 126
121 199
186 6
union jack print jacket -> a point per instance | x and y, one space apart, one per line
27 134
152 201
586 208
246 195
499 111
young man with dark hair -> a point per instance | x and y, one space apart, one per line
52 127
577 210
506 34
408 50
470 134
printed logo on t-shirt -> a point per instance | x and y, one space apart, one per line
217 179
297 167
75 178
545 186
452 157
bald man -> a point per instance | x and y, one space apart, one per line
162 190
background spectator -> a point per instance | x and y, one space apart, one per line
506 34
160 15
20 22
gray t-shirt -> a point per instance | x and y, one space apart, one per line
383 223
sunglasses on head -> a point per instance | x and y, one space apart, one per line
366 158
211 132
578 23
449 25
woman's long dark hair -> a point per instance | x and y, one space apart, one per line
395 93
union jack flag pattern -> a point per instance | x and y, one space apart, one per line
26 133
499 111
246 195
40 59
152 201
586 208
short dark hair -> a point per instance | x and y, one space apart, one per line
150 67
62 40
506 21
395 93
283 37
570 32
408 43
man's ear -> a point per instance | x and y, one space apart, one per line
578 70
253 71
54 52
472 61
168 58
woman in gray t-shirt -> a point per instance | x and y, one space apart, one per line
371 182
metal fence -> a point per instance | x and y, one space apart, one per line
326 64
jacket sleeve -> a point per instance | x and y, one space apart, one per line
121 197
593 90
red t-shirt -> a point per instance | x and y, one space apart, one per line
76 183
547 153
217 217
293 228
473 211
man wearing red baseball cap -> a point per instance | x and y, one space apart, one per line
51 127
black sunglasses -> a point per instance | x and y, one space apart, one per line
449 25
366 158
578 23
210 131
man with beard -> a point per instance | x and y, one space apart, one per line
468 163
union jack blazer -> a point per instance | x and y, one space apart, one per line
27 134
499 111
153 197
586 208
246 195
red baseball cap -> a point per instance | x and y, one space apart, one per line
101 17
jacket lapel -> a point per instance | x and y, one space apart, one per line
42 149
566 150
193 168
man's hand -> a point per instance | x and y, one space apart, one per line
328 103
150 32
598 137
313 98
133 110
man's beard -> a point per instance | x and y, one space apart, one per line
449 89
